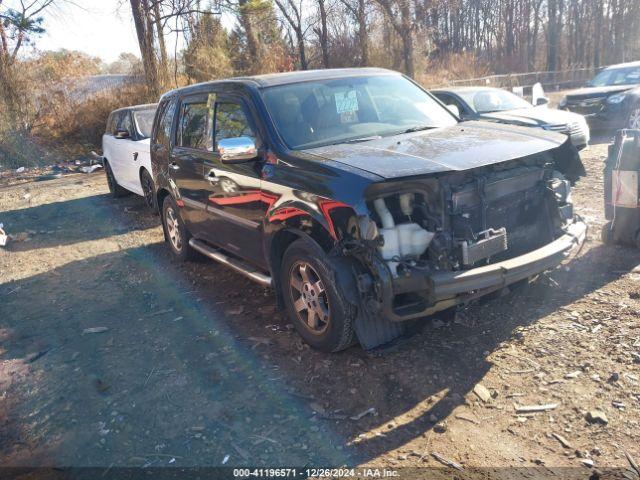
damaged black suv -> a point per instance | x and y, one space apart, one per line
358 197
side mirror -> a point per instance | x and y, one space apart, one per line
237 150
454 109
542 101
120 134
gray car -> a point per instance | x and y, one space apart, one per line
497 105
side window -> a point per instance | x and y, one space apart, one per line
125 123
232 122
165 122
112 125
109 128
450 100
194 125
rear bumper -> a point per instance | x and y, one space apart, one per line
446 289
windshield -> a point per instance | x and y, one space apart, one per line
144 121
326 112
616 76
493 100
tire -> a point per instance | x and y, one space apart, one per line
148 190
606 234
175 231
312 298
115 189
633 121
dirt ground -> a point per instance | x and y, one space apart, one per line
195 367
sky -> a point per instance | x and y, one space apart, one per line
101 28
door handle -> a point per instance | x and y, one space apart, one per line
135 156
174 166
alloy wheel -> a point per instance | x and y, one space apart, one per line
309 296
173 229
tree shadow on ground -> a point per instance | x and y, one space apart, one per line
197 365
78 220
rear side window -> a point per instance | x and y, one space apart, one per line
194 128
113 121
109 129
125 123
165 121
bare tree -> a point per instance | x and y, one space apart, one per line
145 31
358 10
292 13
322 33
400 14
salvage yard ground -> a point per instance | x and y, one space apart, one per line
113 354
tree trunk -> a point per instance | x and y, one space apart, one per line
301 49
164 62
407 38
363 35
145 41
253 43
324 35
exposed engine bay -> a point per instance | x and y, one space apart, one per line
462 220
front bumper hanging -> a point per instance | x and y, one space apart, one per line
447 289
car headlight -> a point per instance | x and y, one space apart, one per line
617 98
563 102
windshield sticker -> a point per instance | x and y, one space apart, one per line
346 102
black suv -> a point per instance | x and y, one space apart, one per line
611 100
359 197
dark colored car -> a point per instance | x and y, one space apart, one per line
611 100
358 197
501 106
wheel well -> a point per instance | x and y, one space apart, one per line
161 195
281 242
279 245
143 169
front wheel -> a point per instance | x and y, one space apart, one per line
634 117
175 230
319 312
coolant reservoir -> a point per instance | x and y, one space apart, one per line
413 239
407 240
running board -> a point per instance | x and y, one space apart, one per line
246 270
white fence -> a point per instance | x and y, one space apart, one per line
550 80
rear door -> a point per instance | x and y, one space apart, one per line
128 151
112 147
235 203
192 146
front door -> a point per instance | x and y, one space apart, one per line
192 146
235 202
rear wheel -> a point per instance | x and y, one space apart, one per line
313 301
634 117
146 182
115 189
175 231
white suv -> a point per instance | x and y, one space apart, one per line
125 150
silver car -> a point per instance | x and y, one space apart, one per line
497 105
